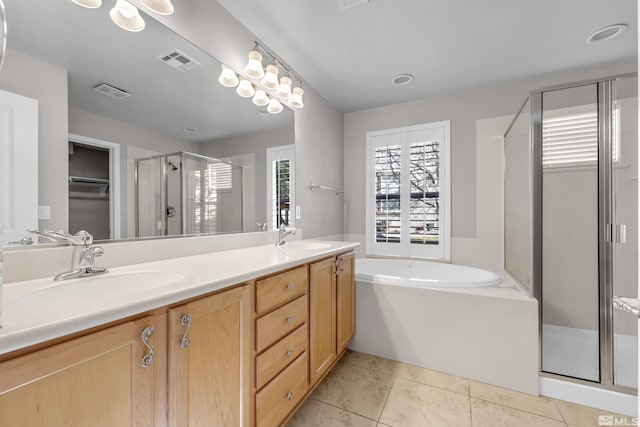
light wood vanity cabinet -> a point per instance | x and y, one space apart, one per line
245 356
209 360
95 380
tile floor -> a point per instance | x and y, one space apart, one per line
368 391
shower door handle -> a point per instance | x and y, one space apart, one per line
632 305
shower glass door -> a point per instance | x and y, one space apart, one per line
624 242
570 257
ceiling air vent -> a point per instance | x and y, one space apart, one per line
348 4
178 60
111 91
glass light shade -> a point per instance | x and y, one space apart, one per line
254 68
260 98
228 77
126 16
161 7
284 90
245 89
274 106
296 98
89 4
270 80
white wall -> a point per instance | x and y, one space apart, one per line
463 109
47 83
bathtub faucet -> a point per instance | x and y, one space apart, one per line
283 232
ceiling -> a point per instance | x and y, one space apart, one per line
350 56
94 50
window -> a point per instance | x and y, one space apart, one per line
408 191
570 136
280 186
204 188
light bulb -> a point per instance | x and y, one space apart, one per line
245 89
89 4
274 106
126 16
161 7
260 98
253 68
296 98
284 90
270 80
228 77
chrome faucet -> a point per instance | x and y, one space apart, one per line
83 256
283 232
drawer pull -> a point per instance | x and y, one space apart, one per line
290 395
185 321
290 287
289 353
147 359
290 320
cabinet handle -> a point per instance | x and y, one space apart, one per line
147 359
290 320
289 353
341 265
185 321
290 395
290 287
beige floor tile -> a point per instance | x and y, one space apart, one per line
364 360
487 414
318 414
434 378
583 416
513 399
355 389
414 404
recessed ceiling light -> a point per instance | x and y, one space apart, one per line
188 130
607 33
402 79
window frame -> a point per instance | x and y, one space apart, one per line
405 136
283 152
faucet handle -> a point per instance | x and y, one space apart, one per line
81 238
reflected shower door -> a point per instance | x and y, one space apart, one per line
570 273
625 229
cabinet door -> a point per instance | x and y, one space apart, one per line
346 298
209 359
94 380
322 317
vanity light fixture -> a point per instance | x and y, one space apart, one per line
260 98
127 16
257 83
161 7
245 89
275 106
228 77
89 4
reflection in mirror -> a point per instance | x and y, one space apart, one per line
113 97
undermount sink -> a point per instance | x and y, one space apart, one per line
308 246
110 285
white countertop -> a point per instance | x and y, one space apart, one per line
40 310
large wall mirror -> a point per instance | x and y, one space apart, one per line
136 121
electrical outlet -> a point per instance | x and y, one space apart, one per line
44 212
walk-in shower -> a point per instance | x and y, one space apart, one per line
186 193
571 199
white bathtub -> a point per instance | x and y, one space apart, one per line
423 274
460 320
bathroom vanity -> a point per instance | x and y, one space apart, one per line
237 337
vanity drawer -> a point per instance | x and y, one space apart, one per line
277 400
272 361
276 290
278 323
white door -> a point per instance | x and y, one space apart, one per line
18 166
